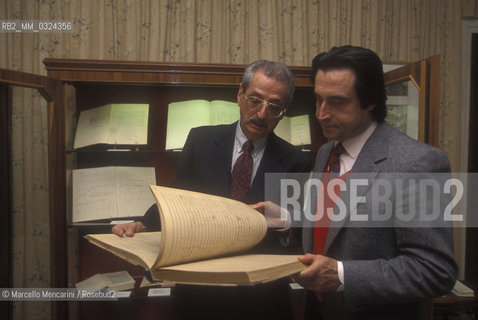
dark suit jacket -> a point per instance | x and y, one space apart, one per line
389 272
205 164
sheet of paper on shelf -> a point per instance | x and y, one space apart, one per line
185 115
112 192
295 130
122 124
120 281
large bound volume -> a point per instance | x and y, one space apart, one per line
200 240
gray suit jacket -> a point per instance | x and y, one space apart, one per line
388 272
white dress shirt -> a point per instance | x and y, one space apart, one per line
347 160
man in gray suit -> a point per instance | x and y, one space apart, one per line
370 273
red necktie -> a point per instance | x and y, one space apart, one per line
321 227
242 173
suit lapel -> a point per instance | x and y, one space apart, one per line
272 161
272 158
220 155
373 153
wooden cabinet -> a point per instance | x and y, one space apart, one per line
89 83
75 85
51 91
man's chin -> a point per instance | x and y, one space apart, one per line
257 131
329 135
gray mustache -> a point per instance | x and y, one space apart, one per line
258 122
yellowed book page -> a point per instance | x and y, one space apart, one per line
129 124
93 126
111 192
243 269
300 130
134 196
282 129
182 116
94 194
295 130
197 226
223 112
141 249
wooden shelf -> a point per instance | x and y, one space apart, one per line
99 82
79 70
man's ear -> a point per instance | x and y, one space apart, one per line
371 107
239 93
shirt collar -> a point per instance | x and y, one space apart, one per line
241 139
354 145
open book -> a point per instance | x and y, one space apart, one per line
122 124
185 115
111 192
200 233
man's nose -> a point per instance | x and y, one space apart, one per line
262 112
322 112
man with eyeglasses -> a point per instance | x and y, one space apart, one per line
210 153
207 165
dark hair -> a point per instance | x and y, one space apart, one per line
273 70
368 70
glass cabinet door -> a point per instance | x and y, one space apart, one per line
413 99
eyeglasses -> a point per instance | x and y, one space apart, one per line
255 104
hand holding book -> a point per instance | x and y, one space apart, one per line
199 234
128 229
276 217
